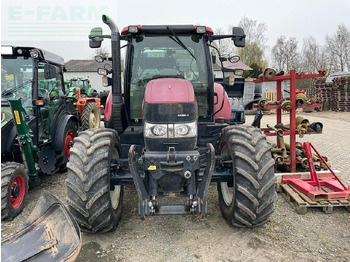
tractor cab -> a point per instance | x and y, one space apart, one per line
36 78
167 52
83 84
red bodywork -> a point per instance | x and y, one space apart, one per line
108 107
173 90
223 104
169 90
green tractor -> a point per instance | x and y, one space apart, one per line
84 85
87 104
37 122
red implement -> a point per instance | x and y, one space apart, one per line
318 187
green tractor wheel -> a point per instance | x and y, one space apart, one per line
90 117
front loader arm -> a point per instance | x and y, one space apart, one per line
28 149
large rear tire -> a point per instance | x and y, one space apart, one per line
248 200
14 189
90 199
90 117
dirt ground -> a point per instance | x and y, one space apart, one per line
315 236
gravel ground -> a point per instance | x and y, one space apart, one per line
315 236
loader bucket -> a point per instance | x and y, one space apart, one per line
50 234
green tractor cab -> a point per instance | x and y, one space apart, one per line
37 122
84 85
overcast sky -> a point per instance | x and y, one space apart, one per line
62 26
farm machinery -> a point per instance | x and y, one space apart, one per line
169 135
37 122
87 104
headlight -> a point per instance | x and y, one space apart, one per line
155 130
170 130
186 130
159 130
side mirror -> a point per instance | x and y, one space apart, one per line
106 81
49 71
239 72
102 71
238 36
100 59
234 59
95 37
229 80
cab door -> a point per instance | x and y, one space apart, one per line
50 91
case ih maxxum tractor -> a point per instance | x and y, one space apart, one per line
168 134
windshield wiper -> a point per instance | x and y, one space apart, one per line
6 93
179 42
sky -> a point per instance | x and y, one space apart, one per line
62 26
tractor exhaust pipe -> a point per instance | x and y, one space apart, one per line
119 119
116 67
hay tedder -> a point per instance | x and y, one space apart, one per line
169 134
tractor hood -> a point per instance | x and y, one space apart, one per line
6 115
169 90
169 100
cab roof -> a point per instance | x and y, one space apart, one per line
25 51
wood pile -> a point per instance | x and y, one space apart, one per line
335 97
341 94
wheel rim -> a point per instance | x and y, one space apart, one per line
226 191
17 191
115 196
94 119
68 142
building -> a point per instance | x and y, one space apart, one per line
87 69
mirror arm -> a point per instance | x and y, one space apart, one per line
217 50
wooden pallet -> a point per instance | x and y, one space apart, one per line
302 202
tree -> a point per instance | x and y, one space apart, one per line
257 70
285 53
314 56
225 46
338 45
102 51
253 52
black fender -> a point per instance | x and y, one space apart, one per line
59 134
8 137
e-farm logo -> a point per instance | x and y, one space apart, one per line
48 20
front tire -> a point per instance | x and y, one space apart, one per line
247 201
90 199
14 189
90 117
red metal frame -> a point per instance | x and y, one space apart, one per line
312 187
292 132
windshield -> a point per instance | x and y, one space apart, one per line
17 79
164 56
79 83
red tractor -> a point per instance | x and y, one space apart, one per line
168 133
